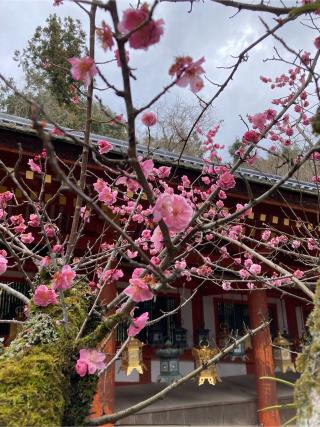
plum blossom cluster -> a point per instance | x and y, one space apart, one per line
34 166
210 147
62 280
90 362
143 30
188 72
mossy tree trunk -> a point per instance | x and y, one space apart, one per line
307 388
38 383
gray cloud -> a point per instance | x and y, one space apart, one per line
208 31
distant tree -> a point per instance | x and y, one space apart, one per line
44 60
173 127
49 82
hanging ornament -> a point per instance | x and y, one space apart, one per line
201 355
131 358
281 354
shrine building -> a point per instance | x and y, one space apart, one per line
212 315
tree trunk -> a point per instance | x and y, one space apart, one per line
38 382
307 388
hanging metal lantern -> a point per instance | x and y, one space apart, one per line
169 363
282 355
201 355
239 350
223 336
131 358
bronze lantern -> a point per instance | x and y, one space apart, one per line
201 355
282 354
131 358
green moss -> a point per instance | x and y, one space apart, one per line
38 384
33 389
307 388
93 338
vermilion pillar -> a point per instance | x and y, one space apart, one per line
263 360
104 399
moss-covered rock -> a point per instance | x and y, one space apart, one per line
38 383
307 388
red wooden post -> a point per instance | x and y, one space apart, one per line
263 360
104 399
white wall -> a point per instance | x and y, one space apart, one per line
230 369
121 376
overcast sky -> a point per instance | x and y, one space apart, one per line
207 31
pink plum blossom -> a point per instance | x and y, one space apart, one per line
105 36
147 167
244 273
90 361
255 269
3 264
180 265
85 214
317 42
4 198
26 238
226 286
111 275
63 279
81 368
106 195
266 235
49 229
45 261
137 324
130 183
312 244
57 249
34 166
44 296
157 239
104 146
174 210
163 171
83 69
149 118
251 136
138 290
188 72
148 35
295 244
34 220
226 181
132 254
298 274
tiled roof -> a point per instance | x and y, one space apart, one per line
189 162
